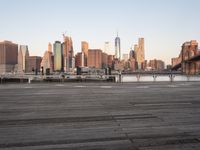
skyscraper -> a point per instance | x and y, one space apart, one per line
47 62
107 47
71 54
68 53
117 48
132 54
23 54
58 56
8 56
79 60
136 55
139 50
49 47
84 49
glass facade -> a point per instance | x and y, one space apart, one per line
117 48
58 56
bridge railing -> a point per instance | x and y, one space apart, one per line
157 78
119 78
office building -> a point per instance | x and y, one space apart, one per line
132 64
132 54
47 61
111 61
84 49
58 56
118 65
79 59
8 56
66 48
71 55
68 53
117 48
95 58
104 60
157 65
139 51
23 54
107 48
33 64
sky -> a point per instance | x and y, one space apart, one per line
164 24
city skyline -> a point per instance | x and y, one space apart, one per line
165 25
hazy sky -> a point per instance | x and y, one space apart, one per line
165 24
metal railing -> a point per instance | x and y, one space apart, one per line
119 78
156 78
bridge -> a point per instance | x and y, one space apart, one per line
189 59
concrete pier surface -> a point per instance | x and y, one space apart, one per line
100 116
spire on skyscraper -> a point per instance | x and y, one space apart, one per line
117 47
49 47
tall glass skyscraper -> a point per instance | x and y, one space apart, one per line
117 48
58 56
